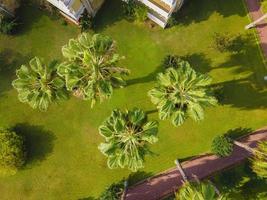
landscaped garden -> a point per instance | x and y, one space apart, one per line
64 161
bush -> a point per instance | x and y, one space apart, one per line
172 21
10 5
222 146
171 61
7 25
140 12
113 192
86 21
12 151
128 8
222 41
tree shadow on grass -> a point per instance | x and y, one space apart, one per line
198 62
10 60
39 142
146 79
195 11
238 132
242 94
138 176
110 13
29 15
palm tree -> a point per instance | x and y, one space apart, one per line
39 85
127 135
198 191
259 161
182 93
91 71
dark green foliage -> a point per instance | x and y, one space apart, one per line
222 41
7 25
113 192
172 22
12 150
140 12
86 21
128 8
222 146
171 61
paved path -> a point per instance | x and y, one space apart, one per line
256 13
204 166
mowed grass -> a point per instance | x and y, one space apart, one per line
64 162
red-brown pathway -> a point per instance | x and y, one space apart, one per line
201 167
255 13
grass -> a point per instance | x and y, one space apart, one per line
64 162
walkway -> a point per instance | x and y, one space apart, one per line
167 182
256 13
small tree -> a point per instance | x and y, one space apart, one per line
91 71
140 12
259 161
181 93
12 151
39 85
127 135
113 192
198 191
222 146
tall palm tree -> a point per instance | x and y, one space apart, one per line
38 84
91 69
127 135
259 161
182 93
198 191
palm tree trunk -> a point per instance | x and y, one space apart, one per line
180 169
215 188
125 190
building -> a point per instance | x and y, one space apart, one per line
159 10
73 9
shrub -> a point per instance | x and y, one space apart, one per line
171 61
113 192
128 8
172 21
222 146
259 161
10 5
12 151
140 12
86 21
222 41
7 25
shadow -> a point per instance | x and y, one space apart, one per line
39 142
242 94
151 111
242 182
242 59
195 11
146 79
88 198
186 158
10 60
110 13
198 62
30 13
138 176
261 25
238 132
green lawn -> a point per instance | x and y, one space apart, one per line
64 162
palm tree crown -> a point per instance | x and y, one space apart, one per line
199 191
127 135
181 92
91 69
259 161
39 85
